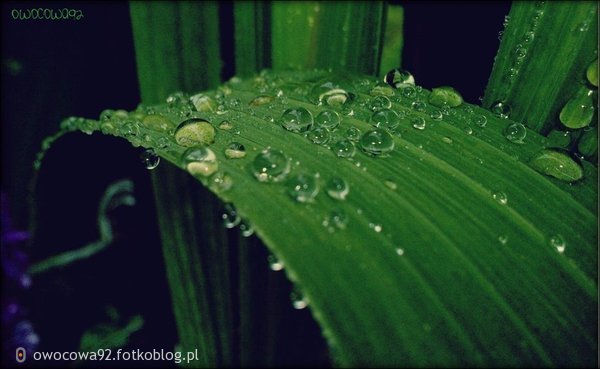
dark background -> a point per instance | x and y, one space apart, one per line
55 69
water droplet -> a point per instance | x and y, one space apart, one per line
303 187
130 129
376 227
203 103
503 239
327 119
274 263
337 188
194 132
377 142
220 182
261 100
419 106
344 149
500 109
299 302
445 95
578 112
382 90
410 92
391 185
319 135
157 123
385 118
226 125
468 130
175 98
500 197
246 229
380 102
296 120
558 242
235 150
515 133
270 166
398 78
447 140
436 114
330 93
480 121
337 219
150 159
230 216
353 134
399 251
200 161
419 123
558 165
592 73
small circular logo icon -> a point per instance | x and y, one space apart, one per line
20 355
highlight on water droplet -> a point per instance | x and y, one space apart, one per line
558 164
385 118
299 302
319 135
398 78
344 148
501 109
303 187
296 120
337 188
235 150
558 242
274 263
399 251
500 197
150 159
270 165
515 132
377 142
419 123
578 112
200 161
445 95
194 132
230 216
328 119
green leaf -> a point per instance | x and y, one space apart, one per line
450 251
545 51
393 39
252 37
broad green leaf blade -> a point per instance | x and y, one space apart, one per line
545 51
337 35
450 251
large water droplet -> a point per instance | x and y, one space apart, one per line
385 118
500 109
578 112
319 135
337 188
515 133
377 142
296 120
558 165
150 159
194 132
558 242
398 78
344 148
270 166
230 216
200 161
235 150
330 93
303 187
445 95
419 123
500 197
328 119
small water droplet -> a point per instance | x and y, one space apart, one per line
235 150
246 229
261 100
344 148
436 114
385 118
419 106
319 135
391 185
410 92
380 102
220 182
353 134
500 197
299 302
515 133
200 161
447 140
230 216
398 78
270 166
274 263
468 130
503 239
203 103
419 123
194 132
328 119
558 242
480 121
303 187
377 142
337 188
382 90
296 120
501 109
445 95
157 123
376 227
399 251
337 219
150 159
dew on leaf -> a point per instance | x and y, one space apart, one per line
149 159
328 119
398 78
377 142
515 132
319 135
235 150
501 109
194 131
500 197
296 120
385 118
303 187
337 188
270 165
445 95
200 160
557 164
